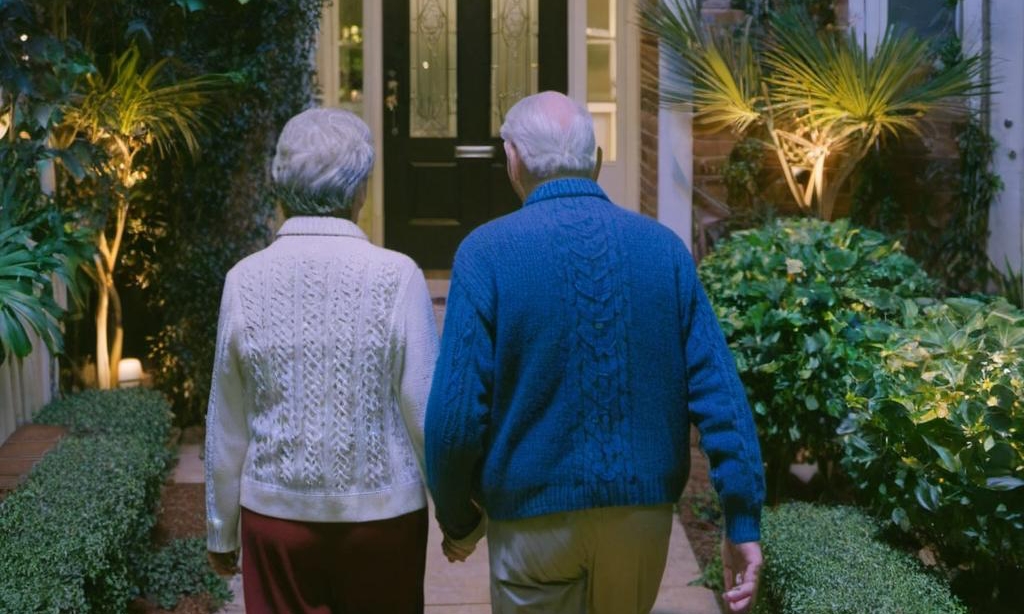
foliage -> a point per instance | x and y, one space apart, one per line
181 568
820 97
745 183
37 242
191 221
70 535
962 247
796 300
216 213
126 112
142 412
935 437
832 559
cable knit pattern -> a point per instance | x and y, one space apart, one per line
578 347
326 347
598 346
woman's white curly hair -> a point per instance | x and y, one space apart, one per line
323 158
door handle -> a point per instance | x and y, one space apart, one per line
474 151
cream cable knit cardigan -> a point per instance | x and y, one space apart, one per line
325 352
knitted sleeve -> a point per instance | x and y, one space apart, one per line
417 346
458 410
227 434
718 406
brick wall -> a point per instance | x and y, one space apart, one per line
649 126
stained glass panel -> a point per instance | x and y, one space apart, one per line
432 68
513 55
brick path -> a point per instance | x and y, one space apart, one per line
22 450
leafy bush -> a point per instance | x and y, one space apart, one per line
935 438
830 559
181 568
796 299
71 535
139 412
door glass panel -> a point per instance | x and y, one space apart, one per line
513 55
432 67
601 63
350 55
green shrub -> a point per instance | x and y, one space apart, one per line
830 559
796 300
935 439
71 536
139 412
181 568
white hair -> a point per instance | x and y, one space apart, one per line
322 155
553 134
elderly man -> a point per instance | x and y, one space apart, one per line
578 347
326 347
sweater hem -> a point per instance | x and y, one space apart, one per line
278 502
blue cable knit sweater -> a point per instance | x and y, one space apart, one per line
578 346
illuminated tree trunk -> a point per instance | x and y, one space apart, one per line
108 355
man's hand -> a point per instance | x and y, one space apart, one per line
460 549
741 566
223 563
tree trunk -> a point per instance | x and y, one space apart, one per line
118 344
102 355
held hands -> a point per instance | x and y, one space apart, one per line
458 550
741 565
223 563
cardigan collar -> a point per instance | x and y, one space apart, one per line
321 226
565 187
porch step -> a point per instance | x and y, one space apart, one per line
22 450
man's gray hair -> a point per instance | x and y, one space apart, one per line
553 137
323 158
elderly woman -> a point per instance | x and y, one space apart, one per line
314 435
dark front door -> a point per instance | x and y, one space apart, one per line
452 68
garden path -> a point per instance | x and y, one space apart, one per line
462 588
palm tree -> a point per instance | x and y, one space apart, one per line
822 99
128 111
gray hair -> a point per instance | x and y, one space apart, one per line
553 134
323 158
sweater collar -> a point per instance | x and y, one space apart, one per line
321 226
565 187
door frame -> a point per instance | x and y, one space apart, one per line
623 177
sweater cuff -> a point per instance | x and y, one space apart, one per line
745 527
220 538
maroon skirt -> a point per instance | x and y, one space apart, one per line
294 567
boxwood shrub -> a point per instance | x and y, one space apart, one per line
935 439
796 300
72 535
831 559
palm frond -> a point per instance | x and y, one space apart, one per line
707 68
133 104
833 82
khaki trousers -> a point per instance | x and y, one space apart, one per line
598 561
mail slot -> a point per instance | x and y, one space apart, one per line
474 151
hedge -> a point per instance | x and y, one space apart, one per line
71 536
822 559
